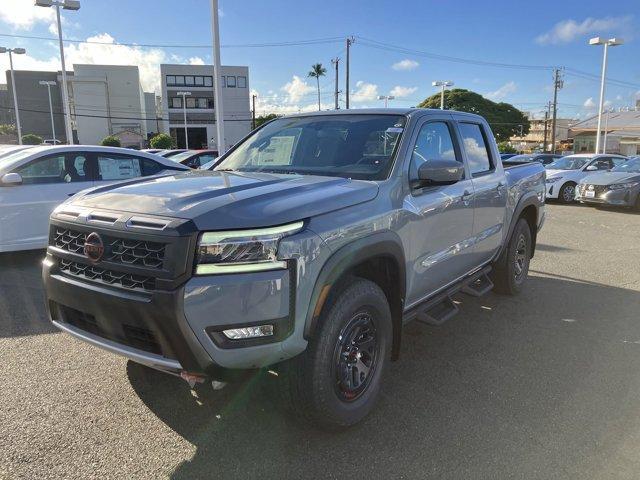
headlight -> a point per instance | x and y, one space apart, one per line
241 251
553 180
620 186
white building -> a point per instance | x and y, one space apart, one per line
200 104
107 100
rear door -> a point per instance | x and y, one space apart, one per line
440 229
490 189
46 182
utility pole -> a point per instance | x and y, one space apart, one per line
546 124
557 85
350 41
217 73
336 62
253 111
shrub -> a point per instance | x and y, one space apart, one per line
163 141
110 141
31 139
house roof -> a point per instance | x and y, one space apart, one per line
623 123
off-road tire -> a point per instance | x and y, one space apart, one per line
510 272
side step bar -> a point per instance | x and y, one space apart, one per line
439 309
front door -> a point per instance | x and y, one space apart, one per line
46 182
441 225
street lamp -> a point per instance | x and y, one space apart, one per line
184 110
442 84
612 42
217 73
386 99
49 84
17 51
67 5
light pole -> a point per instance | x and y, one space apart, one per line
184 96
442 84
49 84
386 99
67 5
217 72
17 51
613 42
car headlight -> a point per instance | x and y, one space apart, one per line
240 251
620 186
553 180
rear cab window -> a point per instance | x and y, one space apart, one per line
476 147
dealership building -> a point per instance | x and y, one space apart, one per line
197 81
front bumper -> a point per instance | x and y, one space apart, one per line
620 198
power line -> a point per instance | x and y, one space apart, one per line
316 41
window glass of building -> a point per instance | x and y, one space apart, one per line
191 102
176 102
188 80
242 82
179 79
199 81
231 82
208 81
171 79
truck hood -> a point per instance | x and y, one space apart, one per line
609 178
223 200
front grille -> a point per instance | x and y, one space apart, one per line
120 250
109 277
130 335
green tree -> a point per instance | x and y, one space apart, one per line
505 119
317 71
8 129
505 147
163 141
31 139
265 118
110 141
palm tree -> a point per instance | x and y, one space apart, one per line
317 71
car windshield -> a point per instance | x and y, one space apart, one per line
178 157
568 163
360 146
17 155
630 166
521 158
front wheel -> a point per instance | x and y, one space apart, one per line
336 381
567 193
510 271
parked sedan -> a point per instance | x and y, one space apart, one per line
564 174
34 181
195 158
618 187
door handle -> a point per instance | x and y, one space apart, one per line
466 196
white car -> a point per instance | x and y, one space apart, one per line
34 181
564 174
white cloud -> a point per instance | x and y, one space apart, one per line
502 92
196 61
405 65
400 91
296 89
607 104
589 103
23 14
365 92
569 30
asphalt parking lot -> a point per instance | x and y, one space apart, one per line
543 385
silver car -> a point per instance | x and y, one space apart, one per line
619 186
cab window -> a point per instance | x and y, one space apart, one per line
476 148
55 169
434 142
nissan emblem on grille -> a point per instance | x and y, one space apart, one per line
93 247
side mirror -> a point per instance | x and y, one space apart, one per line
440 172
11 179
591 168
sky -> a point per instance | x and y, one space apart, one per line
399 48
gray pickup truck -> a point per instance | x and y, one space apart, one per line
305 250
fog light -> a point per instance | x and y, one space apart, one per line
249 332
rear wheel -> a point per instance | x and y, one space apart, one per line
336 381
510 271
567 193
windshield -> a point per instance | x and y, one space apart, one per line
568 163
178 157
358 146
521 158
16 155
630 166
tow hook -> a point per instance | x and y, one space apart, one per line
191 378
